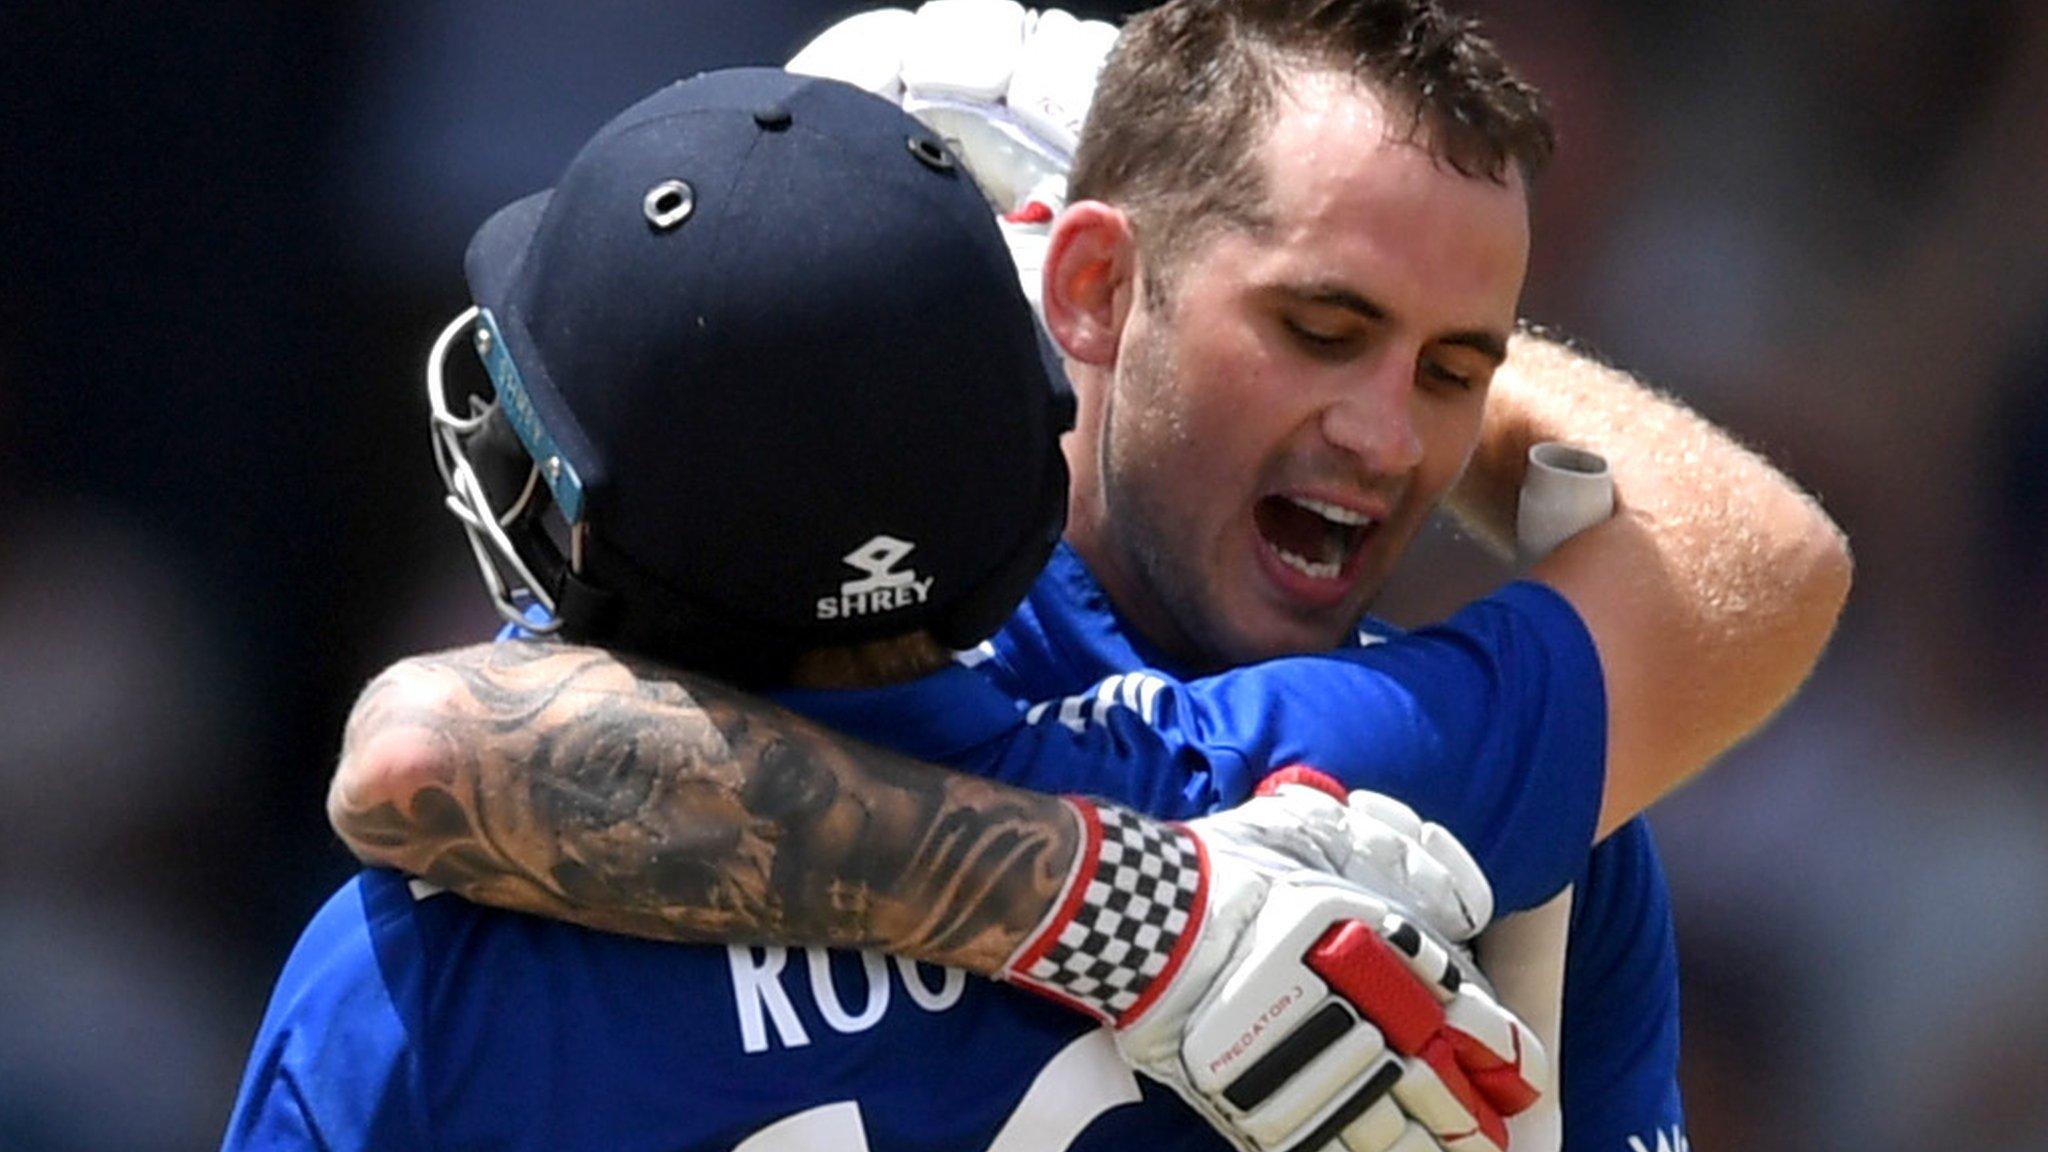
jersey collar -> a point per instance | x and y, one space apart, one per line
936 717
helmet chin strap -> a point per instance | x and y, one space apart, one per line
507 576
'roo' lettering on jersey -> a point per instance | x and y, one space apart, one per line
766 992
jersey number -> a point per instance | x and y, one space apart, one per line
1083 1081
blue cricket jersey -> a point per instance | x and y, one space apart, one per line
1512 694
409 1020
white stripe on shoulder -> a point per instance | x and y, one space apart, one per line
1070 712
1130 691
1149 688
976 656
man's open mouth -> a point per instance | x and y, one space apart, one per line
1313 537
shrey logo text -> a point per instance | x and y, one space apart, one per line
883 589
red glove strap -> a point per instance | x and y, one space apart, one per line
1361 967
1300 774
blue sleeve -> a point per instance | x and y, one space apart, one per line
1618 1064
333 1066
1493 724
272 1112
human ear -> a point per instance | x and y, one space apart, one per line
1090 263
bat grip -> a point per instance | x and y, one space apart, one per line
1565 491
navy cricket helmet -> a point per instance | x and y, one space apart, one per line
763 350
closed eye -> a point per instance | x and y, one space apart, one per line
1444 377
1322 344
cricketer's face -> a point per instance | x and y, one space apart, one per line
1280 426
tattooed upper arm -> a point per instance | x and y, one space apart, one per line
575 783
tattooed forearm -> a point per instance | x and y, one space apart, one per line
585 786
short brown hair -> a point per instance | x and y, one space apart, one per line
1182 103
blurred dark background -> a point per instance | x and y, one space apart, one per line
229 230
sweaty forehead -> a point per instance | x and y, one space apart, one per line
1351 199
1330 132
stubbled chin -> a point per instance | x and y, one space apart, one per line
1246 618
1275 632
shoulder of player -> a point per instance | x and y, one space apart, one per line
335 1050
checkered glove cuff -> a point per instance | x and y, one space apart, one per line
1129 915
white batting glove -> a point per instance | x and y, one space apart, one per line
1290 1008
1006 87
1371 840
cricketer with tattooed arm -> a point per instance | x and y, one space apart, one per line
1706 602
410 1019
